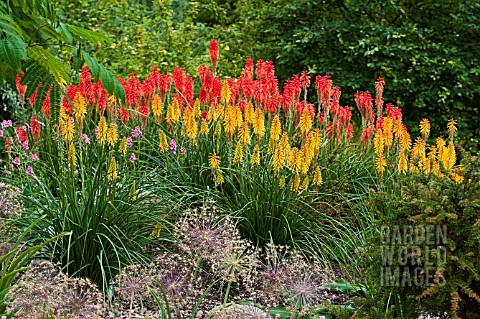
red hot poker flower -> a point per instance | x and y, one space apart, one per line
214 54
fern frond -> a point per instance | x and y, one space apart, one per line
12 52
49 62
10 27
82 34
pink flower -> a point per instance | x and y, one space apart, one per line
29 170
6 123
137 132
129 141
133 158
33 156
85 139
1 133
16 161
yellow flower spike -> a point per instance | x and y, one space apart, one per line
418 150
388 138
157 108
237 115
204 127
305 163
402 162
191 125
405 141
317 177
61 81
255 156
218 111
72 157
425 128
68 129
175 111
229 121
412 167
80 109
214 160
102 130
226 92
296 183
381 163
244 133
451 157
112 170
163 142
249 113
211 113
398 128
305 183
387 124
219 178
259 123
292 158
122 148
284 144
278 160
305 123
427 166
299 160
238 156
196 108
378 142
452 129
275 129
112 134
436 167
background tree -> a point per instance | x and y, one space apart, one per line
422 48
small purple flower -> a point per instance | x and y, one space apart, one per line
6 123
133 158
85 139
137 132
16 161
129 141
33 156
96 132
25 145
183 150
173 146
76 172
1 133
29 170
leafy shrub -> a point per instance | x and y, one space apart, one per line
432 237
